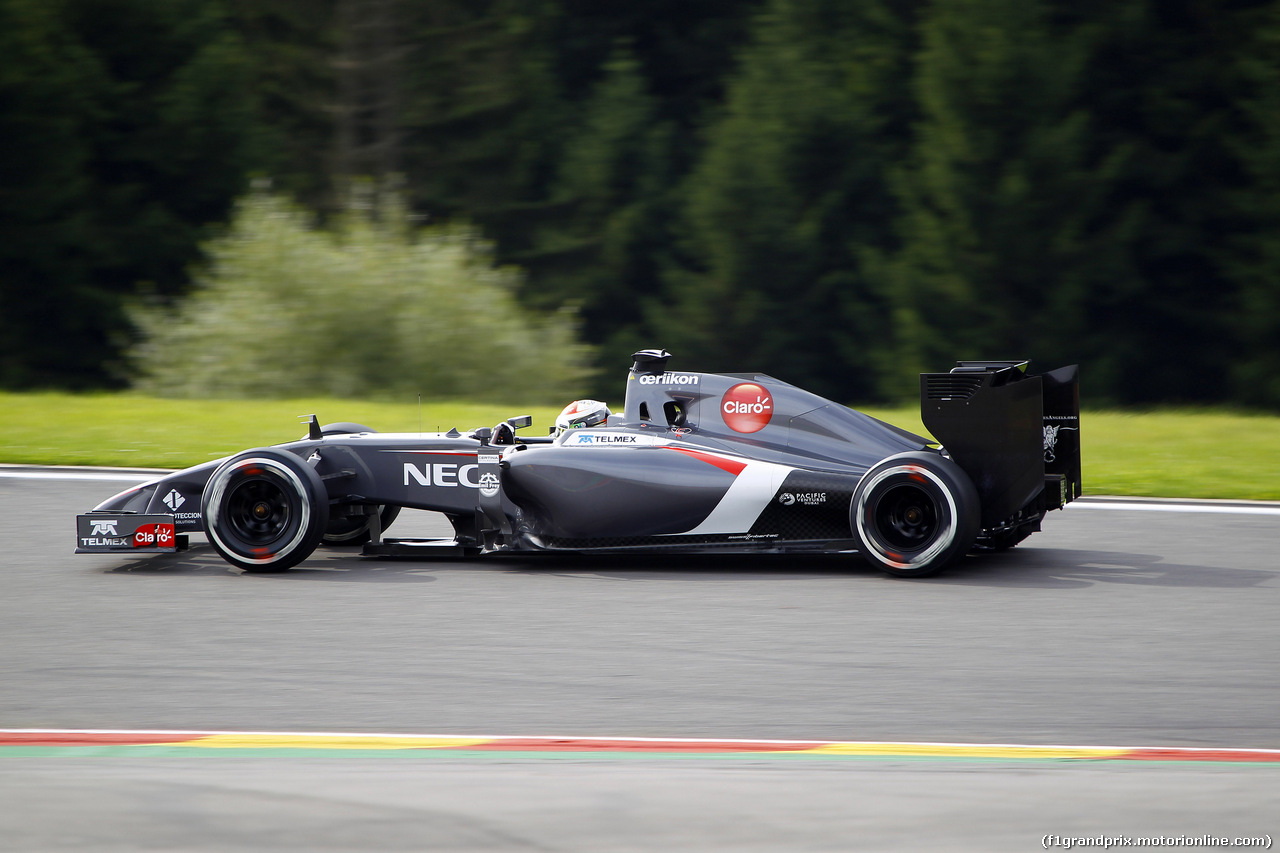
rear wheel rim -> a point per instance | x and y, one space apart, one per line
906 516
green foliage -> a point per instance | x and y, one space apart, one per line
483 117
46 227
128 127
789 197
1254 257
563 128
994 193
602 237
371 307
841 192
1161 303
292 81
1079 190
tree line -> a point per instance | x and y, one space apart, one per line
841 192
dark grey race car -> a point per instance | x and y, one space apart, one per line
696 463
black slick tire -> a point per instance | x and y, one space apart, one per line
914 513
265 510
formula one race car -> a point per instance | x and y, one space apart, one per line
695 463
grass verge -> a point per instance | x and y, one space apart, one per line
1163 453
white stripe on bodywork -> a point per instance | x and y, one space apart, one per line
751 492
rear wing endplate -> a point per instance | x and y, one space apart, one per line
1016 435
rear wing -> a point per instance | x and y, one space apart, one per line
1017 435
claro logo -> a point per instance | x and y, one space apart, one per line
153 536
747 407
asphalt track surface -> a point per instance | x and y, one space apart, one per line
1124 626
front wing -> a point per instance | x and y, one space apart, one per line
138 533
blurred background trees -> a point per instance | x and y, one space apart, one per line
841 192
369 305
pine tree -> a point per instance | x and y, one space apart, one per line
792 197
129 131
1161 87
1254 331
294 71
483 118
563 129
600 240
1071 193
53 323
996 192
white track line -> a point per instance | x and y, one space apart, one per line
99 476
1180 506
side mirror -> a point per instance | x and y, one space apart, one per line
482 435
521 422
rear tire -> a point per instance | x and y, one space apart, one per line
265 510
914 513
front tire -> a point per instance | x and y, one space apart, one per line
914 513
265 510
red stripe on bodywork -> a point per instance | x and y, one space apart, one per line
724 463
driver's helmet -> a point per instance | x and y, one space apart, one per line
582 413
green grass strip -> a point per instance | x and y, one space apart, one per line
1159 453
129 430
